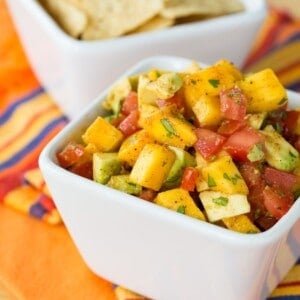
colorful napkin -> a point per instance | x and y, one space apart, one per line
38 259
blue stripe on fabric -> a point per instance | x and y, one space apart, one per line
294 86
291 39
9 111
296 297
34 142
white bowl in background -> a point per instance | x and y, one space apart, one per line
74 71
154 251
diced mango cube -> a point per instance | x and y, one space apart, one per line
133 145
209 81
103 135
240 223
207 110
152 166
179 200
223 175
264 91
168 127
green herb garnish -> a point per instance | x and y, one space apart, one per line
233 179
168 126
214 82
210 181
223 201
282 101
181 209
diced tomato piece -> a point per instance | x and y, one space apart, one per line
228 127
279 178
256 184
265 222
208 142
240 143
277 118
70 154
84 169
189 179
276 201
290 121
148 194
176 100
130 103
251 174
233 104
130 124
296 142
117 120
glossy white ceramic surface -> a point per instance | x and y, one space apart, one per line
74 72
155 251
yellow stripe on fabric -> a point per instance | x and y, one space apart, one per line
286 291
29 133
293 275
19 119
278 59
291 75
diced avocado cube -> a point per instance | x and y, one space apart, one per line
116 95
220 205
104 166
124 184
164 87
183 159
279 153
256 120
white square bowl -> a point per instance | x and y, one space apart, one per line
155 251
74 71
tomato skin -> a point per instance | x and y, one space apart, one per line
281 179
70 154
240 143
148 195
296 143
256 184
233 104
208 142
176 100
290 121
189 179
276 201
130 103
130 125
228 127
251 174
117 120
84 169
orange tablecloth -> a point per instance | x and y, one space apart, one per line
38 260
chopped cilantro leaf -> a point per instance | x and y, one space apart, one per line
214 82
181 209
210 181
282 101
168 126
223 201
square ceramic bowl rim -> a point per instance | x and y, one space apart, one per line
47 160
52 26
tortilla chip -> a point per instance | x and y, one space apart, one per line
184 8
117 17
71 19
156 23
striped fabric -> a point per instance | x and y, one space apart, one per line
29 119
